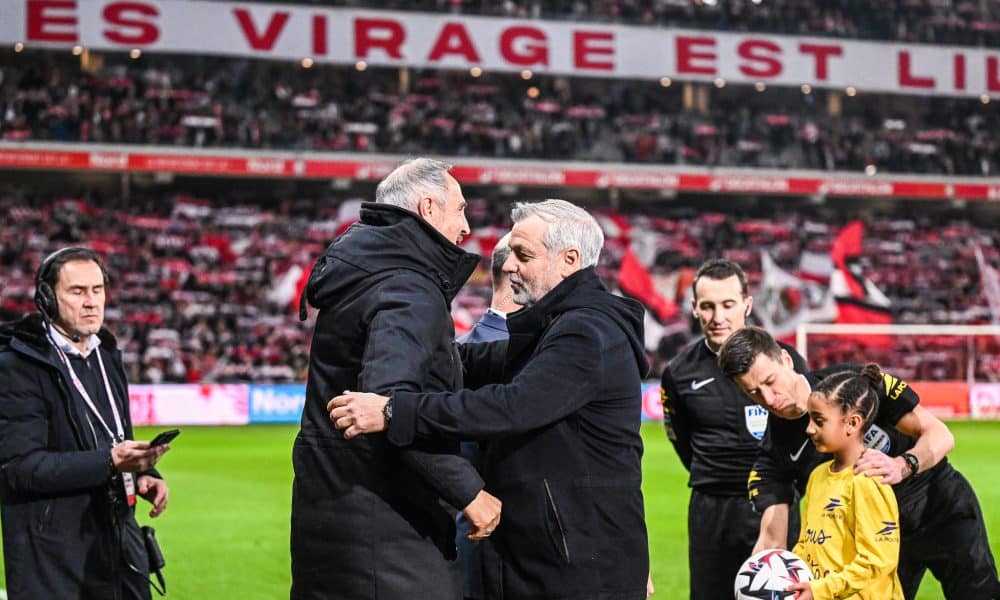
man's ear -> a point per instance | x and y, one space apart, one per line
426 207
570 261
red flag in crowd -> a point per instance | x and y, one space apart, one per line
858 299
635 280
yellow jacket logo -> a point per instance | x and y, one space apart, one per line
888 533
893 386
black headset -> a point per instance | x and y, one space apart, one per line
48 272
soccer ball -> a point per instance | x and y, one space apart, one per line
767 574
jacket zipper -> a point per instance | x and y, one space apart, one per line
43 523
555 511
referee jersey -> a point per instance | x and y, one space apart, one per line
713 425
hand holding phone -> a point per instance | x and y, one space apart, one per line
164 437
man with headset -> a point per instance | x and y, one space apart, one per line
69 470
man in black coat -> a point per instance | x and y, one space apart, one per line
559 407
367 518
69 470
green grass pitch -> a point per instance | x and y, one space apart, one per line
225 532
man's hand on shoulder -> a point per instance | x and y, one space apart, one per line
875 463
358 412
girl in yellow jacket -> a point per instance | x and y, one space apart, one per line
850 526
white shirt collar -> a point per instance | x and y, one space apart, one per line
63 343
498 313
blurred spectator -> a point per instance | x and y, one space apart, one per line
206 288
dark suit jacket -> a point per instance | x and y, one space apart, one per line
489 328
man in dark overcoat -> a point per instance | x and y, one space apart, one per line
369 520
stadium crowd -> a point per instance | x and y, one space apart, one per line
207 290
216 102
962 22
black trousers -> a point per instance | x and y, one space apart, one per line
950 541
722 531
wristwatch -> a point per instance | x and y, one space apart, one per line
913 462
387 411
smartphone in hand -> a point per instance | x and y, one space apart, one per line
164 437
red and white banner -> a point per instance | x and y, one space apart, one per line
482 171
278 31
984 401
189 404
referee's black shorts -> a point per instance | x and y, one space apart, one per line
722 531
949 540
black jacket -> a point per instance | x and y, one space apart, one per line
67 530
563 450
367 519
713 425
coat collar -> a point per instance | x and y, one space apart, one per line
527 325
539 315
387 238
29 334
424 245
583 289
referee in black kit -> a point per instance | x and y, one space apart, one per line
716 430
941 523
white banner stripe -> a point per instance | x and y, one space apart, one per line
346 36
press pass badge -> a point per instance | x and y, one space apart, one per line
129 480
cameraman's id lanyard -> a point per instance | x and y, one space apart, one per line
128 479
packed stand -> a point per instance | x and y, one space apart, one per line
201 291
924 263
238 103
206 290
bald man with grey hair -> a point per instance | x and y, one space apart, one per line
558 408
424 186
413 179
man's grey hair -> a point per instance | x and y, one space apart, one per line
500 253
569 226
415 179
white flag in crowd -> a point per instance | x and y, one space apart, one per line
991 284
